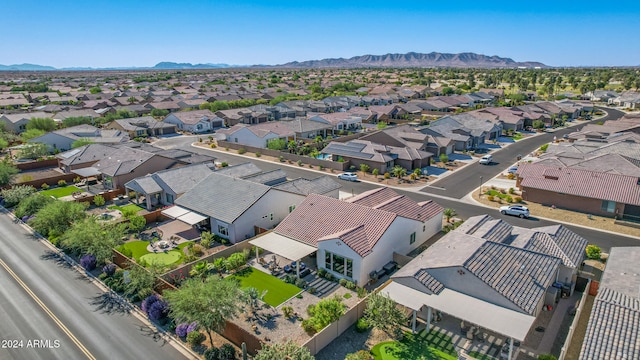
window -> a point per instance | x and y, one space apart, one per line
291 208
608 206
349 268
327 260
169 199
223 230
412 238
424 228
338 264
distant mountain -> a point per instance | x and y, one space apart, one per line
412 59
25 67
166 65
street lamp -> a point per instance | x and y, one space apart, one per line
480 194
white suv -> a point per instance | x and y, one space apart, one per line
486 160
516 210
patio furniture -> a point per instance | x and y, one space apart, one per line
294 264
305 272
389 267
302 266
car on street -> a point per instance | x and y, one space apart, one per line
513 169
348 176
515 210
486 160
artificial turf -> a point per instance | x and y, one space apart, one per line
139 251
428 346
59 192
278 291
126 207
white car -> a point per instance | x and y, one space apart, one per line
348 176
515 210
486 160
513 169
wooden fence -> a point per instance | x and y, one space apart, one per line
32 165
124 262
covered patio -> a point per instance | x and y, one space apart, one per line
474 313
185 215
284 247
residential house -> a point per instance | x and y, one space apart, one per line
142 126
613 328
197 121
63 139
377 156
239 208
628 99
511 119
387 113
17 123
340 121
466 130
356 237
490 274
259 135
405 135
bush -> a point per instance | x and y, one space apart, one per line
289 279
350 285
387 176
311 290
593 252
194 326
195 338
362 292
258 154
512 191
299 162
362 325
16 194
321 272
546 357
517 199
544 147
309 328
342 282
44 186
359 355
281 158
224 164
88 262
287 311
242 151
98 200
490 198
109 269
62 182
181 330
148 301
329 276
511 176
213 146
212 353
301 283
158 310
227 352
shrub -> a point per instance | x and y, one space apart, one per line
342 282
16 194
212 353
350 285
226 148
387 176
517 199
224 164
148 301
309 328
593 252
301 283
25 178
299 162
227 352
98 200
321 272
544 147
329 276
512 191
213 146
44 186
109 269
311 290
490 198
62 182
242 151
362 325
195 338
281 158
546 357
511 176
509 199
362 292
194 326
88 262
287 311
359 355
158 310
181 330
258 154
289 279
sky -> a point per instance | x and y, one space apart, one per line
141 33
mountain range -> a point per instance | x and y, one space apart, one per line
411 59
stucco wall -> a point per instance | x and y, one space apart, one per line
569 202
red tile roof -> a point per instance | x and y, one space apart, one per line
584 183
388 200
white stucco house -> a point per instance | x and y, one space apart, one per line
257 135
356 237
197 121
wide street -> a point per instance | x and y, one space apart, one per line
42 298
457 185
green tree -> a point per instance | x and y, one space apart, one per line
538 124
324 312
7 170
277 144
33 150
30 205
375 172
95 90
381 125
399 172
44 124
288 350
210 303
383 313
141 280
252 298
58 216
158 113
3 144
31 134
81 142
98 200
593 252
88 236
444 158
76 120
17 194
201 269
449 213
364 168
137 223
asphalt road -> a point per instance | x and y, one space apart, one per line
43 298
462 181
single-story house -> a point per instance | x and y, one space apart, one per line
377 156
142 126
340 121
17 123
63 139
197 121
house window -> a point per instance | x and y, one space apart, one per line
608 206
235 139
291 208
169 199
223 230
349 268
338 264
412 238
327 260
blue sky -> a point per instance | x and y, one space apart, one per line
119 33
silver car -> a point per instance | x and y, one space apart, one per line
348 176
515 210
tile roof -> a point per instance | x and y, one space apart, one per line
193 117
388 200
583 183
122 161
321 218
320 185
176 181
569 243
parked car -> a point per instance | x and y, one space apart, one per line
486 160
348 176
513 169
515 210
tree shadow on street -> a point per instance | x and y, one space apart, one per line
55 257
110 303
156 335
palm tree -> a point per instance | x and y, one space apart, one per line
364 168
449 213
399 172
201 269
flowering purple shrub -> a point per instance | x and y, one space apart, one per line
193 327
109 269
181 330
146 303
158 310
88 262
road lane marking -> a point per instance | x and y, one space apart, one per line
55 319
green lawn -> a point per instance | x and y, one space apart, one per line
423 346
277 290
139 251
126 207
59 192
